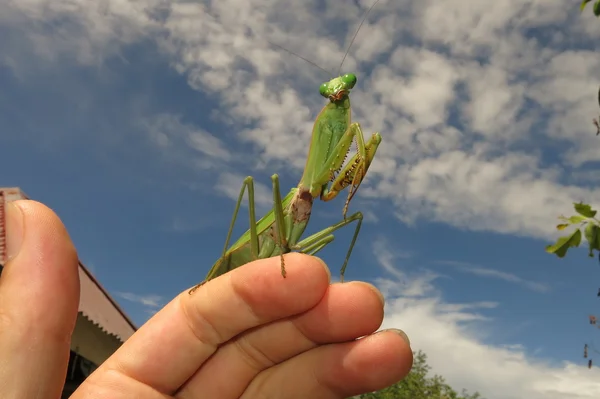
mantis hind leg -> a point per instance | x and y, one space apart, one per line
256 251
280 230
316 242
249 184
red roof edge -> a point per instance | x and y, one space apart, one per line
112 301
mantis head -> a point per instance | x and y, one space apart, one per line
338 88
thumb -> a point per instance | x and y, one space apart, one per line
39 297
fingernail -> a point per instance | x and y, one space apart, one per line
400 333
14 230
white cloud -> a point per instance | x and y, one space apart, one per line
87 32
151 301
370 217
167 130
453 335
387 258
449 337
485 108
230 185
492 273
511 193
420 85
494 102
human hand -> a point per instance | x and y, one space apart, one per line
246 334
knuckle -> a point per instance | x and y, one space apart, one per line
252 355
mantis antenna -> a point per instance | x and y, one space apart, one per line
302 58
355 34
347 49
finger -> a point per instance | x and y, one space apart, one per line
338 371
39 296
173 345
347 311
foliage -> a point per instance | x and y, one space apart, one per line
585 222
596 7
418 386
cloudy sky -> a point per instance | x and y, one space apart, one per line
136 120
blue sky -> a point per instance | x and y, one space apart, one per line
137 121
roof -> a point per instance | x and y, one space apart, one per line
100 308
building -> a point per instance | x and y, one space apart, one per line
101 326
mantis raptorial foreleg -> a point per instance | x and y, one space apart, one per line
355 170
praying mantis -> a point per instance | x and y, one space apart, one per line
325 176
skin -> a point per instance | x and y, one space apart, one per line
242 335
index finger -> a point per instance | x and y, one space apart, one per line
174 344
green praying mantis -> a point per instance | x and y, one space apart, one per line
325 176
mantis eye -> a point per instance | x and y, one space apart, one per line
349 80
324 90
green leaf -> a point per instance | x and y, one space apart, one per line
597 8
576 219
591 234
584 209
562 226
583 3
563 244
